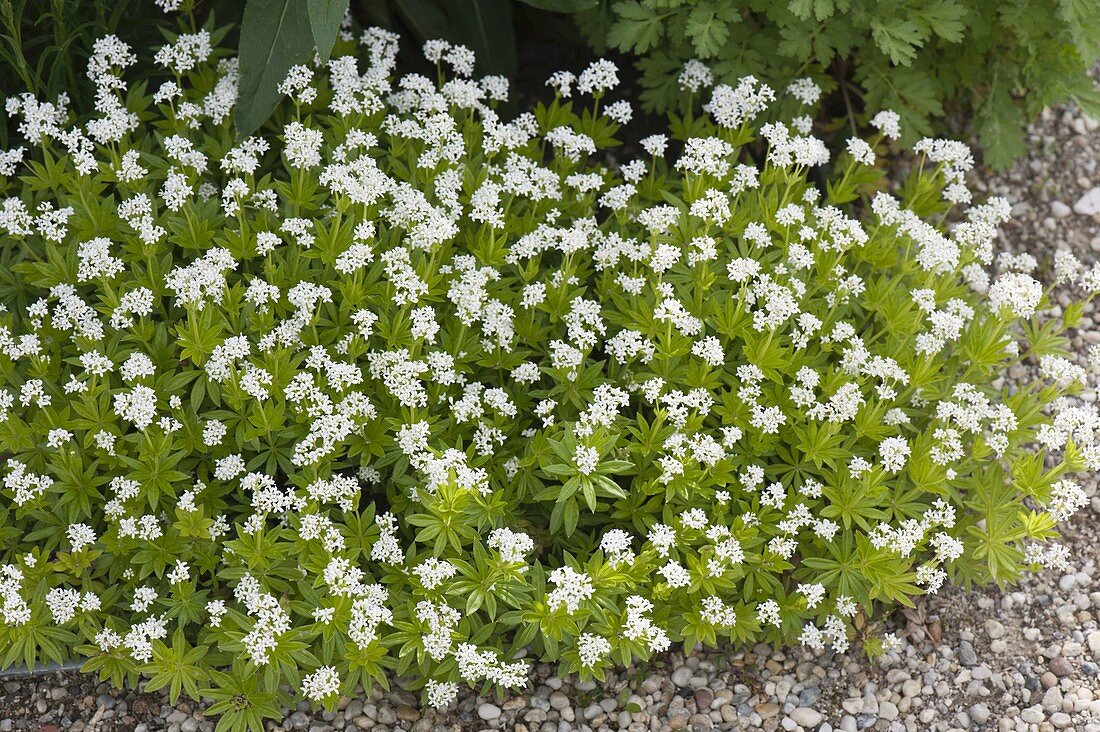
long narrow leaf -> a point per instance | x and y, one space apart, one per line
325 17
275 35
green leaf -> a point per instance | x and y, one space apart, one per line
275 35
325 17
708 27
562 6
945 19
898 39
424 17
485 26
1000 124
638 28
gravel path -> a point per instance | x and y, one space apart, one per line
1020 659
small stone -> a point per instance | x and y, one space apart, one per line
1088 204
558 700
994 629
1033 715
888 711
1061 720
488 712
980 713
911 688
386 715
703 699
701 723
767 710
729 714
1094 642
681 676
1048 679
967 655
1060 210
1060 667
806 717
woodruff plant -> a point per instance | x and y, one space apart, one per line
404 389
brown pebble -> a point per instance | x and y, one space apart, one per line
1060 667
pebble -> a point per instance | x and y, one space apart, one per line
1094 642
1060 210
1061 720
806 717
1060 667
967 655
1033 715
1088 204
488 712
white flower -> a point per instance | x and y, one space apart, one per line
695 76
1018 293
80 536
805 90
600 76
592 648
321 684
894 451
586 459
888 123
303 145
861 151
571 588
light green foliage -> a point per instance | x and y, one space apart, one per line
398 388
998 63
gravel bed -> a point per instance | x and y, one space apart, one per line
1023 658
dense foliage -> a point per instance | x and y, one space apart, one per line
399 387
999 63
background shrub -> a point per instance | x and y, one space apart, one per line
995 64
399 388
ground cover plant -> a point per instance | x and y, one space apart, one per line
996 65
397 388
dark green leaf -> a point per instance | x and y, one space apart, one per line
325 17
562 6
275 35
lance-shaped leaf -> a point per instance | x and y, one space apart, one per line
275 35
